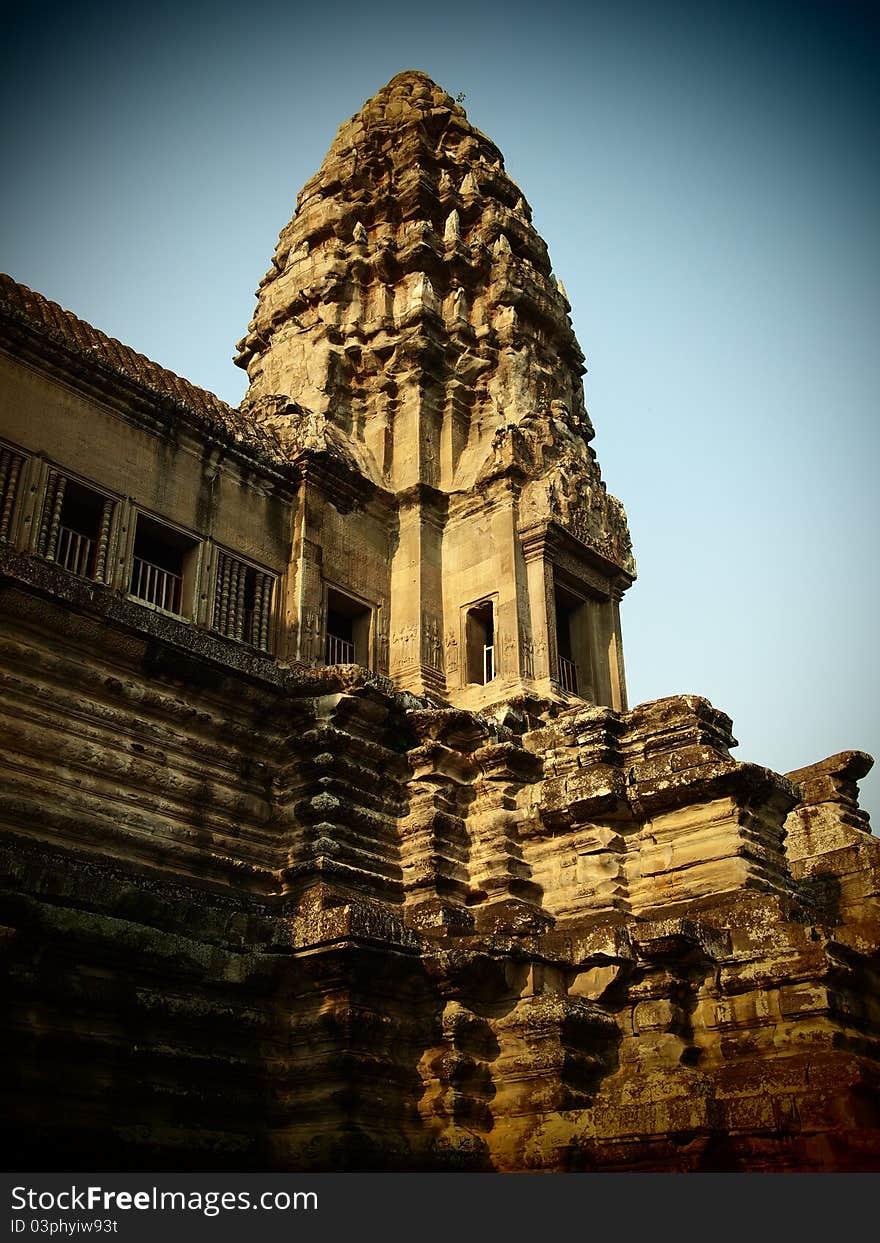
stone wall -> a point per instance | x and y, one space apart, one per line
290 919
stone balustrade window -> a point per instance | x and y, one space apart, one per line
163 567
573 643
75 527
349 622
243 597
11 469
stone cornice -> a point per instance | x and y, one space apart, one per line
431 499
344 486
550 540
159 413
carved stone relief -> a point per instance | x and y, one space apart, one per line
432 643
403 645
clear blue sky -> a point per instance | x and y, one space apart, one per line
706 177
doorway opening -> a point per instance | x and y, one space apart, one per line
480 642
348 630
572 641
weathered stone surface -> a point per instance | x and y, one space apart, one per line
288 880
410 325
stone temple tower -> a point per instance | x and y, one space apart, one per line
412 349
264 908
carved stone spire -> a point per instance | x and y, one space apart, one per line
412 329
411 190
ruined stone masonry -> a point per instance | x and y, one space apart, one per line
329 839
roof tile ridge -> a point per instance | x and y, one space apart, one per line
57 319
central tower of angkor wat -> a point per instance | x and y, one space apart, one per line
411 328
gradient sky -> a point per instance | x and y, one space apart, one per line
706 177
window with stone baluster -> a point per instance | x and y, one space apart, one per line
243 602
12 466
348 638
75 527
164 567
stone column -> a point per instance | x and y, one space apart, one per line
507 621
119 575
12 469
212 559
615 654
33 485
539 572
304 606
405 638
416 657
599 629
431 645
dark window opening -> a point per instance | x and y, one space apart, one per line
79 530
75 527
480 643
572 640
348 630
162 561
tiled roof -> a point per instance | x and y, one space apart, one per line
19 302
